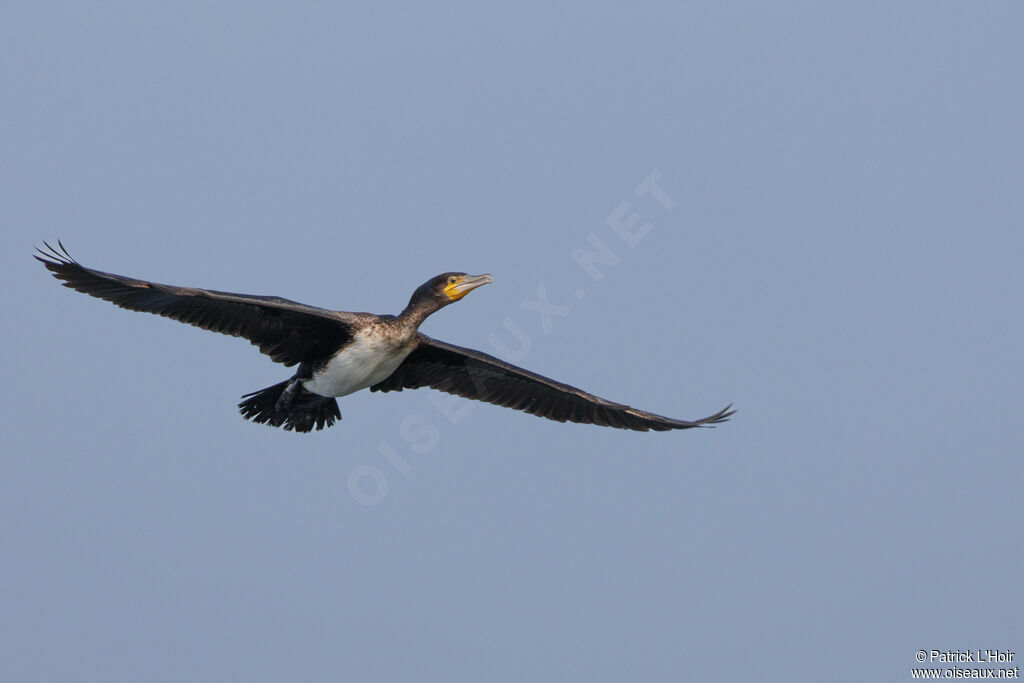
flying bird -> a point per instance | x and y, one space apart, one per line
336 353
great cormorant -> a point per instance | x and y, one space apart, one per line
338 352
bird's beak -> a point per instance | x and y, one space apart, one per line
467 285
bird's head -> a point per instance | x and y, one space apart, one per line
445 289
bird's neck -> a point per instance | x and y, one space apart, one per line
415 313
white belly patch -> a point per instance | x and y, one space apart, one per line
366 361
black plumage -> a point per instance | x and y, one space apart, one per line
482 377
287 331
339 352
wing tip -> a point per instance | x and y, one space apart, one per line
721 416
660 423
54 257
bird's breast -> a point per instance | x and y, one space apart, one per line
369 358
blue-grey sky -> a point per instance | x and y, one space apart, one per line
835 248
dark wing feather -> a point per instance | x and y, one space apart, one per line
287 331
477 375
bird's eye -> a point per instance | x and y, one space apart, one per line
451 280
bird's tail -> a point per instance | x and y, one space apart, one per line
289 406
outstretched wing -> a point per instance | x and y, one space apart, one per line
287 331
482 377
